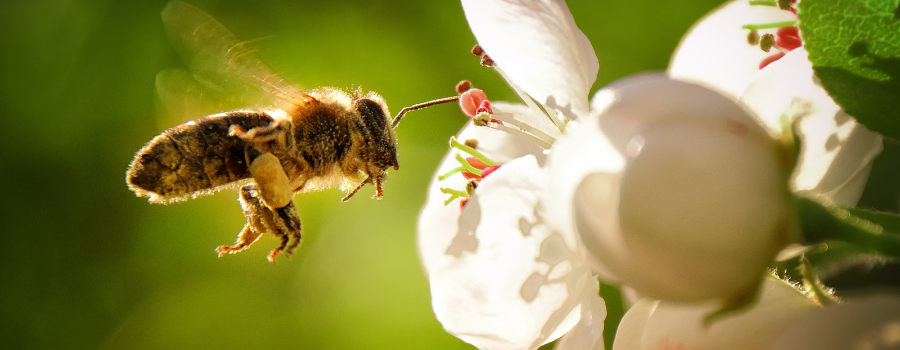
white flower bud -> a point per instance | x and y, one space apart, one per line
700 204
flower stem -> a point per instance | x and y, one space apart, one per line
770 25
471 151
468 166
825 222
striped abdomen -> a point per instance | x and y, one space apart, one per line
194 158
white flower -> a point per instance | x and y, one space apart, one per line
715 52
837 152
674 189
500 277
539 48
678 192
652 324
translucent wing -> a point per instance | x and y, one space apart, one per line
225 72
185 98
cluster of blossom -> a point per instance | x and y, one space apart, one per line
679 187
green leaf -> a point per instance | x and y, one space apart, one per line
854 46
822 223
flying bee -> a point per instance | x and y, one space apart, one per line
309 140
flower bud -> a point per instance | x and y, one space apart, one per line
699 204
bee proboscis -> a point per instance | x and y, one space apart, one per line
308 141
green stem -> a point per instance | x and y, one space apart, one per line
822 222
770 25
472 151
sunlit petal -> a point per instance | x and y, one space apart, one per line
506 280
437 223
868 323
588 333
651 325
631 328
837 151
715 52
539 47
584 150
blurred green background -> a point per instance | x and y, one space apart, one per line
87 265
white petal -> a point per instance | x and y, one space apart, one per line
869 323
539 47
437 223
837 152
715 52
631 328
584 150
507 281
701 206
588 333
678 326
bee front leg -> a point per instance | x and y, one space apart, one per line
283 223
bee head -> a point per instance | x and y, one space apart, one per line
382 140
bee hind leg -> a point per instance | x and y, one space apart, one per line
278 131
283 223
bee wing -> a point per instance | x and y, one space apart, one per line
220 64
186 96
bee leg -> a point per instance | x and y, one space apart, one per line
245 238
278 130
379 192
255 227
283 223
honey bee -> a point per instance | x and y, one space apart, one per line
309 141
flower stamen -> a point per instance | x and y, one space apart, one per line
753 37
511 119
455 144
767 42
450 173
772 3
453 192
468 167
770 25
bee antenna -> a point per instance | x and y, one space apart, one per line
420 106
